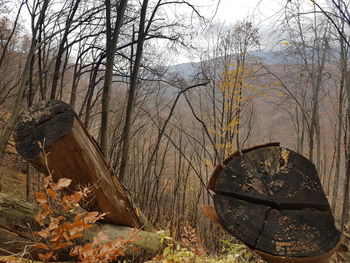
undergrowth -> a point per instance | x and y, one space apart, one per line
63 222
190 250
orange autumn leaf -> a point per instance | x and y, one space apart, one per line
86 248
54 220
43 233
44 214
45 206
92 214
57 232
76 236
62 245
75 224
78 217
66 236
118 252
92 217
77 196
42 246
53 226
54 186
38 220
41 198
56 238
47 256
61 218
51 193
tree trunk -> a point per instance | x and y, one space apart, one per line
17 227
132 92
70 152
62 49
338 142
111 45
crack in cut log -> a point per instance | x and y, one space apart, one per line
279 207
267 213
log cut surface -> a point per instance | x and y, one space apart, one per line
70 152
271 199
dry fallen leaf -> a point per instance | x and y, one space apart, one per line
64 182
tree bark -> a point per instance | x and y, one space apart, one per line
68 151
17 227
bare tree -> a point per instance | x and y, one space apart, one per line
112 36
42 6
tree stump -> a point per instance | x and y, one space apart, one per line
271 199
52 138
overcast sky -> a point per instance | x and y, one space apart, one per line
231 11
261 12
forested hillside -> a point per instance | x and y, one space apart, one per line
162 123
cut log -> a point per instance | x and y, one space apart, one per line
271 199
70 152
17 227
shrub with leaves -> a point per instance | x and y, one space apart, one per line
173 252
63 221
239 252
176 252
191 241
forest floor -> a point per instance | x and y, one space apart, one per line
12 173
13 184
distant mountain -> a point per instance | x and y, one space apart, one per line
186 70
267 57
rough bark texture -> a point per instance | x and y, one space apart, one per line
17 227
271 199
70 152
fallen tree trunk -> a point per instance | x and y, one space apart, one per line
271 199
70 152
17 233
